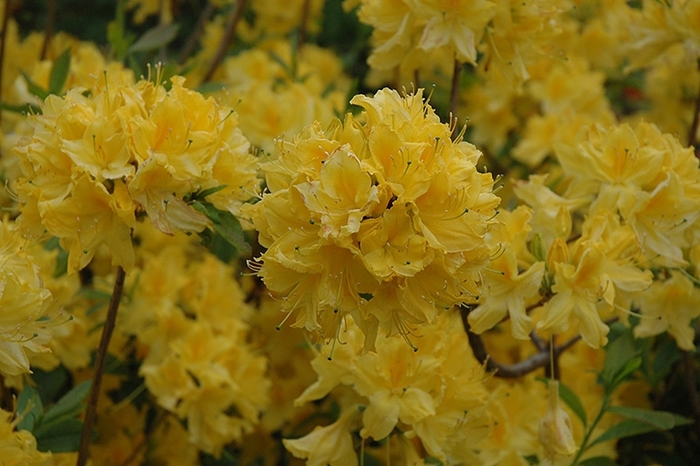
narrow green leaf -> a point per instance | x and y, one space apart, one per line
69 406
660 419
210 87
60 437
663 420
59 73
50 384
34 88
154 38
626 428
29 409
598 461
230 229
574 402
627 370
210 191
23 109
207 209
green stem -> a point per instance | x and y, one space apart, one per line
100 360
587 437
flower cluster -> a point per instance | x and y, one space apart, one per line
98 160
435 394
189 317
382 217
25 305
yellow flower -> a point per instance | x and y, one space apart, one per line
669 306
434 394
580 294
24 305
96 160
507 292
18 448
330 445
382 217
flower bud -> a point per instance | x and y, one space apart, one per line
556 434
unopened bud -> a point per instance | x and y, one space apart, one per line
556 433
558 252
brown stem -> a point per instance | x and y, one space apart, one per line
227 40
197 32
49 28
689 375
454 96
3 40
304 23
518 369
416 78
100 359
693 131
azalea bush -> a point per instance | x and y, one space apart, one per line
359 232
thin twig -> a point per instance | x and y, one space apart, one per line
197 32
227 40
509 371
689 375
304 23
100 359
454 96
693 131
3 40
48 35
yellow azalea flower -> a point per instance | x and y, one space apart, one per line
18 448
25 311
330 445
646 176
274 103
505 292
456 24
434 394
188 315
580 293
669 306
382 217
92 216
95 160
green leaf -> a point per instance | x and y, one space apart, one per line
50 384
627 370
154 38
573 402
210 191
225 224
598 461
29 409
59 73
663 420
67 407
207 209
61 437
210 87
625 428
34 88
621 359
230 229
640 421
23 109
